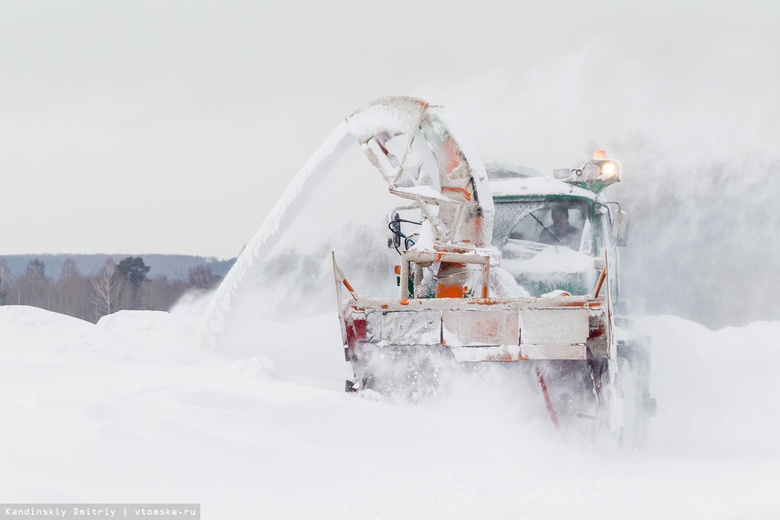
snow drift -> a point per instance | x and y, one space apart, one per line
123 411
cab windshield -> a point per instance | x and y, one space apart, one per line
524 228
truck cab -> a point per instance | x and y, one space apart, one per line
555 234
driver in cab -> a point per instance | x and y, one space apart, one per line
561 233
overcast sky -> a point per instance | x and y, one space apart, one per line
173 126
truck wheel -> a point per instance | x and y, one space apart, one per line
636 400
610 409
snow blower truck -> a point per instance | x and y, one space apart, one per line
497 265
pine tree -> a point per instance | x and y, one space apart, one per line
133 270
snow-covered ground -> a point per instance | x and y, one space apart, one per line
134 410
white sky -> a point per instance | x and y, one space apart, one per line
173 127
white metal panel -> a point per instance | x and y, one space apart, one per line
577 351
485 327
480 354
403 328
558 325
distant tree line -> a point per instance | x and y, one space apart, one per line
170 265
115 287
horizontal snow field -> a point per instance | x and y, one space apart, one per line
134 410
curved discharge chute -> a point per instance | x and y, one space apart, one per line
415 148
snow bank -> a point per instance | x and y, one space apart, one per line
717 389
84 424
30 333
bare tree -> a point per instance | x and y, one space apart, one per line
5 281
162 293
105 289
32 288
69 269
72 292
200 277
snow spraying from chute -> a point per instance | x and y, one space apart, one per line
242 277
283 281
698 142
336 202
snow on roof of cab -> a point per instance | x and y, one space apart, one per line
498 171
529 186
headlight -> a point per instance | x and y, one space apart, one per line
605 170
609 170
595 175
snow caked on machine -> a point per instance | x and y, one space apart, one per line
497 265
